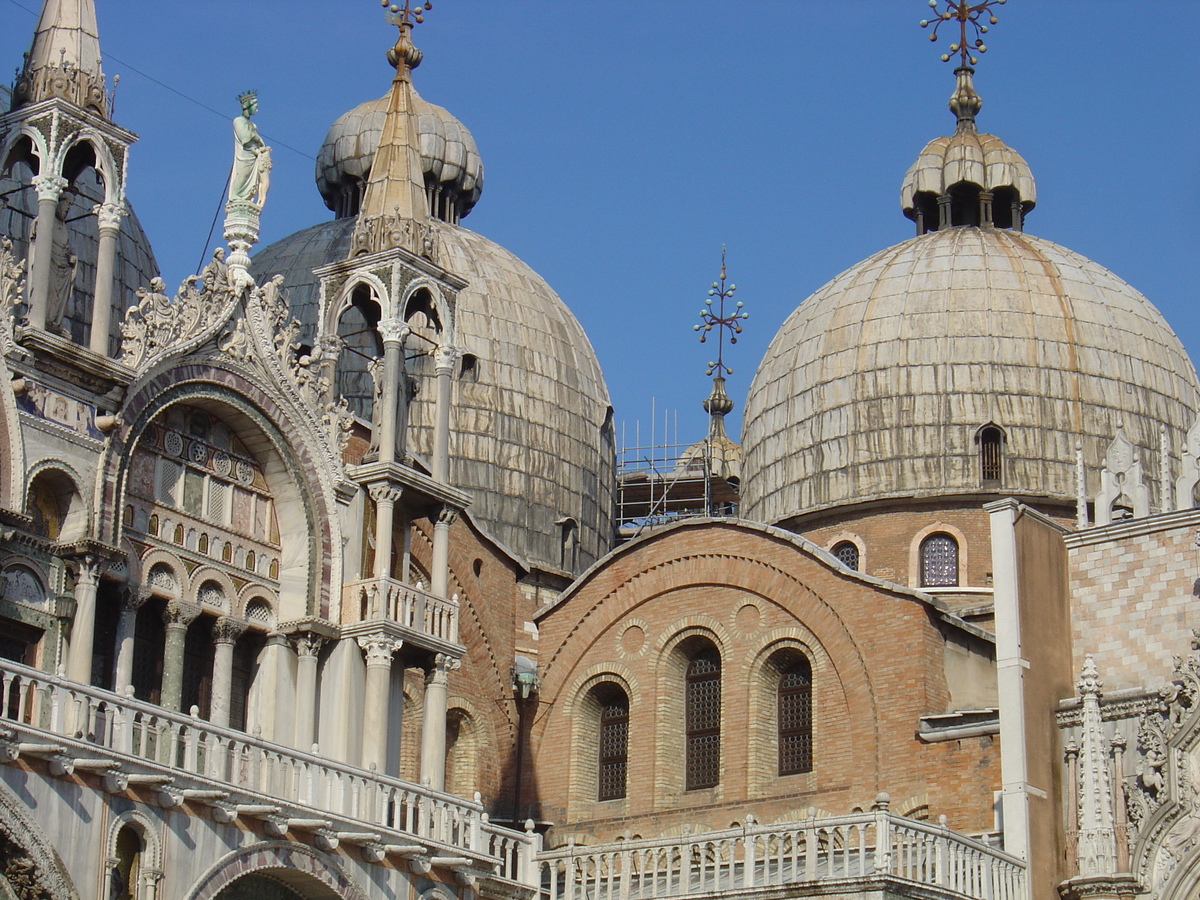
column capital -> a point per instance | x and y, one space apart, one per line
379 648
180 614
134 598
447 514
48 186
443 665
393 331
88 569
307 644
109 215
444 358
227 630
385 493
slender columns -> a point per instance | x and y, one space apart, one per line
439 576
433 723
385 497
393 332
83 628
944 216
225 636
49 189
126 630
109 217
985 209
376 695
443 361
307 645
177 617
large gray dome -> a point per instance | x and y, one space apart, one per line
876 386
532 438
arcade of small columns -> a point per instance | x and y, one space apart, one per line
49 189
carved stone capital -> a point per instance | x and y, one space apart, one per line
393 331
227 630
49 187
447 515
109 216
443 665
307 644
379 648
444 358
385 493
180 614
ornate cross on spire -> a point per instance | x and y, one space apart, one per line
967 15
723 322
404 17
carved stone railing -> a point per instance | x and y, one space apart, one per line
409 606
868 846
182 757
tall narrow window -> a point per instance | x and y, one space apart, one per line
703 720
795 719
614 743
847 554
991 440
939 561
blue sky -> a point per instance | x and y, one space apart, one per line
625 142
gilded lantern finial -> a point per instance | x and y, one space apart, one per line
970 27
404 55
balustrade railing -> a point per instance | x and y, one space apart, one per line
812 850
408 605
188 745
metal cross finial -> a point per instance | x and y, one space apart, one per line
966 14
709 319
404 17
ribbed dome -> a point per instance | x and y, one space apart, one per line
449 157
980 159
532 441
877 385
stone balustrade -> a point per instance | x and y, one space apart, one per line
410 606
871 847
128 744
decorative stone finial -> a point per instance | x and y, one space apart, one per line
1089 683
965 103
404 56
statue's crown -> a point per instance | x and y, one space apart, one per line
246 95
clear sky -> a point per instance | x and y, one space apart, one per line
625 142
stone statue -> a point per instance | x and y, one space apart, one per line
63 263
251 176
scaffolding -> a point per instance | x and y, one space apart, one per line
661 481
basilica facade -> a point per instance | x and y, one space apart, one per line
318 579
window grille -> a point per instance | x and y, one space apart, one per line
703 721
614 748
990 440
847 554
939 561
795 720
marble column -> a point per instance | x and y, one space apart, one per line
433 722
308 646
49 189
176 617
443 363
108 217
439 574
225 635
376 696
83 627
131 602
392 332
386 497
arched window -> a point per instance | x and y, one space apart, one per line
703 720
939 561
126 872
991 442
614 743
847 554
795 719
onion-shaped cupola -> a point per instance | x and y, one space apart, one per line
967 178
